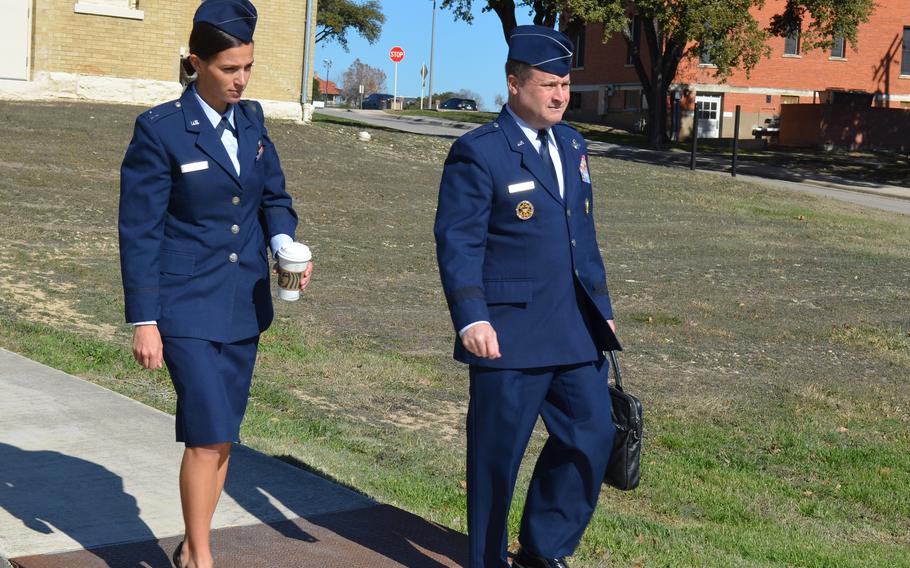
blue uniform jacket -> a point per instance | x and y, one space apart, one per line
512 252
192 233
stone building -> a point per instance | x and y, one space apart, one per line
129 51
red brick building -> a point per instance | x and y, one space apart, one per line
329 91
607 89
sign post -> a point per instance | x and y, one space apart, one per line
423 82
396 54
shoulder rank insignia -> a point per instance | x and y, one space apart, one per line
575 144
525 210
587 206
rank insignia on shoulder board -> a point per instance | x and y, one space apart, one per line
583 168
525 210
587 206
575 144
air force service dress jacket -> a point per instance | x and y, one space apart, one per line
513 252
192 232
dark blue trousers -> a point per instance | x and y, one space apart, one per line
574 402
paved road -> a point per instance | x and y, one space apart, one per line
413 124
891 198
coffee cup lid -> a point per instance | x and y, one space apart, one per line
295 252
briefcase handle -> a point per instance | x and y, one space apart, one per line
617 375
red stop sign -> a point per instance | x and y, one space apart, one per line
396 54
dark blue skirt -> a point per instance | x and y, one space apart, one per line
212 381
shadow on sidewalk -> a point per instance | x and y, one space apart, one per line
394 534
49 491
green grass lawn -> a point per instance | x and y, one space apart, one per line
767 334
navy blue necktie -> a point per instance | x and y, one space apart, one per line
224 125
545 152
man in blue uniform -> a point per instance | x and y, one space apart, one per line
527 292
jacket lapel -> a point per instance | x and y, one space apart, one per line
248 142
206 138
530 159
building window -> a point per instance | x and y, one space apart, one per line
837 48
705 57
905 54
635 30
789 100
905 105
791 43
578 58
114 8
632 100
574 101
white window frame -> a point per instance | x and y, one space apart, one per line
128 10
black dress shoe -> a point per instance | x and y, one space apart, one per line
177 554
525 559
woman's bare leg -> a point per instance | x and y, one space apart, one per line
202 476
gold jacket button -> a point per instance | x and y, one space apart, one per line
233 257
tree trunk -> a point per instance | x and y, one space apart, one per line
657 113
505 9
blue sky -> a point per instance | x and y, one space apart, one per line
466 56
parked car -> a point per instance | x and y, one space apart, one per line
378 101
459 104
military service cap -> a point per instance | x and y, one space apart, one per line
234 17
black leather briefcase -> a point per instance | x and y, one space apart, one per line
624 471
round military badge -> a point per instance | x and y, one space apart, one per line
525 210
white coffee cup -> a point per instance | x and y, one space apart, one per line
293 259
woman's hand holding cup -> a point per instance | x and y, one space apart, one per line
294 269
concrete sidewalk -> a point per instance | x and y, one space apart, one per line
85 469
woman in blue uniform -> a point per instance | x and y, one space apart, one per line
201 191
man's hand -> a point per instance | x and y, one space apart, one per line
612 325
481 341
147 347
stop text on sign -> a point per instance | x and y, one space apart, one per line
396 54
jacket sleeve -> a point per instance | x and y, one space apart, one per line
145 188
462 219
279 216
600 289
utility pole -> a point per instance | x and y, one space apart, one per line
328 67
309 45
432 46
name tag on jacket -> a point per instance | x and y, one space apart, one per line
523 186
194 167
